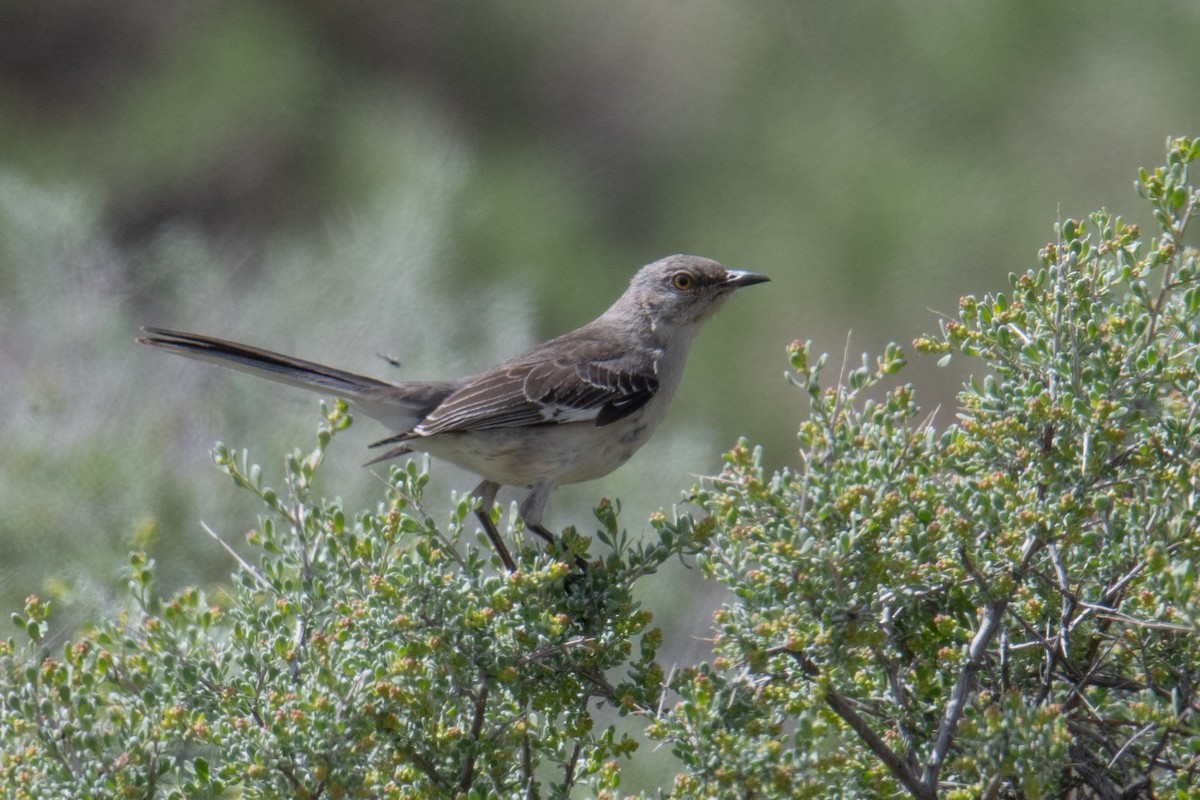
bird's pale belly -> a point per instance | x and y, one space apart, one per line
568 453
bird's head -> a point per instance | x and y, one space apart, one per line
684 291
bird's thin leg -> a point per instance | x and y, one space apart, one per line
534 505
531 510
542 531
486 492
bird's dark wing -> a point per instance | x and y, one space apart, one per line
547 390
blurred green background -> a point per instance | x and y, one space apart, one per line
450 182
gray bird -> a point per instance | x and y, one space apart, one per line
570 410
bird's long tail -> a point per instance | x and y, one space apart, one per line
263 363
398 406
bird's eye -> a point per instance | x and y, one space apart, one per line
683 281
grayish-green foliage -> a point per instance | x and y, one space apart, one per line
1008 608
379 654
1005 608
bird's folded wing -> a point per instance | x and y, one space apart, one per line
546 391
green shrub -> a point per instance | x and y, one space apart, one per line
373 655
1005 608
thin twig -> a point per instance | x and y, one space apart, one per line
241 561
1107 613
662 697
468 772
844 709
1112 762
895 683
1176 237
559 648
966 678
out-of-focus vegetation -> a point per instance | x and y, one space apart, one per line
449 182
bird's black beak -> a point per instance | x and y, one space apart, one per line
740 278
